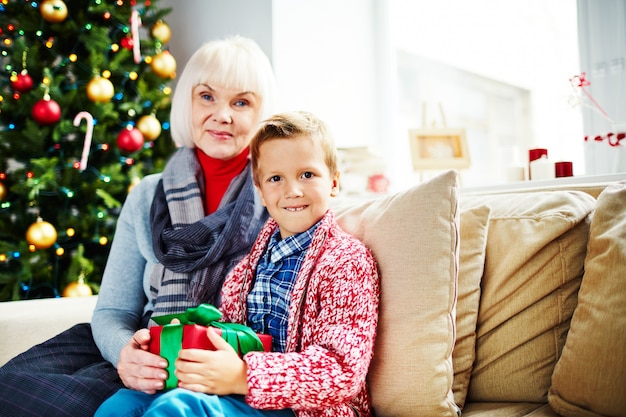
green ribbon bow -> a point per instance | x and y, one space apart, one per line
241 337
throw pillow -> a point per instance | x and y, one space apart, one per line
474 226
533 268
590 376
414 236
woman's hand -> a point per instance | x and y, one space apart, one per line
219 372
139 369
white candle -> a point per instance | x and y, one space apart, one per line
541 169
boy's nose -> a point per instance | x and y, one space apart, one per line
293 189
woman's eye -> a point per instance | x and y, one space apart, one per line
241 103
206 97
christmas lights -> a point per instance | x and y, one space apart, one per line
47 169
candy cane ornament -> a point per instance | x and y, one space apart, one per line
88 135
135 22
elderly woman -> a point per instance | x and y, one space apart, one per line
177 236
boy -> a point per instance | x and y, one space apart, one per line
308 284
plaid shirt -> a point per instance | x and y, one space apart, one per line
268 302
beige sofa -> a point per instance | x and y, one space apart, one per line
499 303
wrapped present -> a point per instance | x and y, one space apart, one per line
168 339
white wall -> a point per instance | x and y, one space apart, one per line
325 62
603 57
194 22
338 59
322 51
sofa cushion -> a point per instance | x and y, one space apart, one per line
414 238
26 323
533 267
590 377
474 225
508 410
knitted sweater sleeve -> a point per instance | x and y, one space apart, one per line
122 299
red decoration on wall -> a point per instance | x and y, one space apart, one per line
582 82
613 139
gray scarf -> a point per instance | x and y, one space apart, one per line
196 252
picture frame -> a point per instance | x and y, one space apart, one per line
439 148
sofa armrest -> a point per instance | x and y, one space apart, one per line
24 324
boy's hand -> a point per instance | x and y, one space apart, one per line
219 372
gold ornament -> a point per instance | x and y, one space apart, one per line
161 32
149 126
164 65
41 234
100 90
78 288
53 11
3 191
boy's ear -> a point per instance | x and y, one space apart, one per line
334 191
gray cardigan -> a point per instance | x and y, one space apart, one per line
124 297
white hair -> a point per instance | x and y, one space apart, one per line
233 63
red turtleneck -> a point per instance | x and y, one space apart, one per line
217 176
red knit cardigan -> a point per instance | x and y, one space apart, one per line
331 330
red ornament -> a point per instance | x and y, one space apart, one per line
130 140
23 83
127 43
46 112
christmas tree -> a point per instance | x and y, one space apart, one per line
84 106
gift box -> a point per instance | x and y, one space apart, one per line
194 337
168 339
